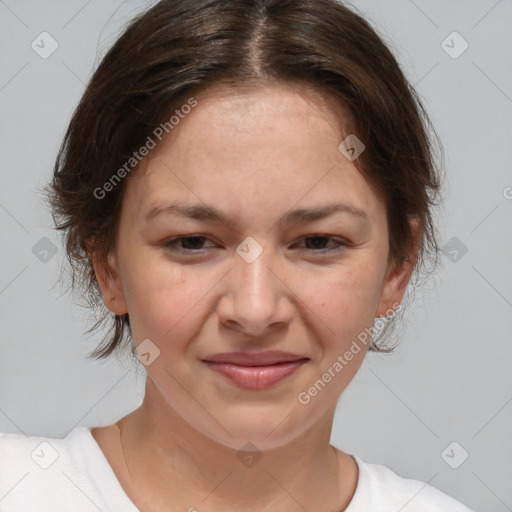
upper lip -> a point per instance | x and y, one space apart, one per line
254 358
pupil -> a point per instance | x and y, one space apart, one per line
318 241
190 240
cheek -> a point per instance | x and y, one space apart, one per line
159 295
345 300
166 300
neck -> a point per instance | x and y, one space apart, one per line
168 461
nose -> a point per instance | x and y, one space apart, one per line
256 300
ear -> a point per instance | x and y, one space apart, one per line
398 276
109 280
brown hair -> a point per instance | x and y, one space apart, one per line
178 47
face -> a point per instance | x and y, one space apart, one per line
280 245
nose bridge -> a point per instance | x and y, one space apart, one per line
255 292
252 276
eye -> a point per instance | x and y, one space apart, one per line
194 244
317 243
190 244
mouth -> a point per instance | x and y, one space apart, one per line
256 371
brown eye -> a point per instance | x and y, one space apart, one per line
318 243
186 243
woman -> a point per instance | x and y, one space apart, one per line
246 186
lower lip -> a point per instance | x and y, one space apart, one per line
256 377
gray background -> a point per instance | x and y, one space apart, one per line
450 380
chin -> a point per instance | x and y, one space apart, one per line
264 429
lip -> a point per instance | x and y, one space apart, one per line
256 371
266 358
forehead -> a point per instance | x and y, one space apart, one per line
245 103
251 147
274 116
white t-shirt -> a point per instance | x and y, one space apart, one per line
40 474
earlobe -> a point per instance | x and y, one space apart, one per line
394 289
109 282
398 276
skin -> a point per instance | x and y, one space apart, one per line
254 154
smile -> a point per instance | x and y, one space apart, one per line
256 377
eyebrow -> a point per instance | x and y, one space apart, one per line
205 212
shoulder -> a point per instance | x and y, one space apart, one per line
19 451
380 488
35 469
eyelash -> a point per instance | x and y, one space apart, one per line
171 244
